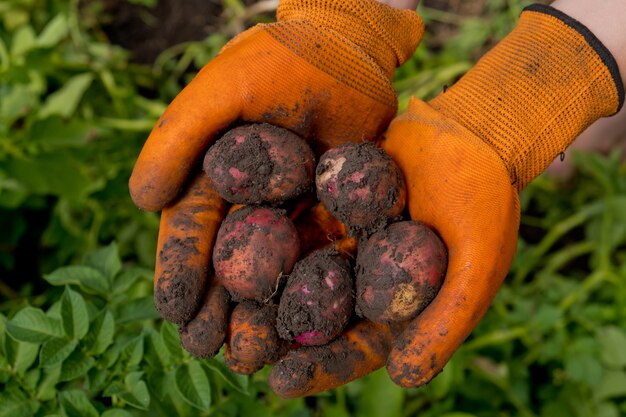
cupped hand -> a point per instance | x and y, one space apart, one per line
323 71
461 188
458 186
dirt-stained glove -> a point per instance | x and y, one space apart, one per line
323 71
465 156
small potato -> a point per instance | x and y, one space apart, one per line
317 301
399 271
361 186
254 247
260 163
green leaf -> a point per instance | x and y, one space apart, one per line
137 393
23 40
238 382
116 413
76 366
132 353
59 173
32 325
106 260
583 367
380 397
156 351
55 133
193 385
53 32
46 390
137 310
97 379
607 410
89 279
458 414
14 403
101 332
74 314
127 278
55 351
613 385
31 378
76 404
133 391
171 340
21 355
613 343
65 100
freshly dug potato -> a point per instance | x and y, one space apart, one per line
317 301
254 247
361 186
399 271
260 163
252 336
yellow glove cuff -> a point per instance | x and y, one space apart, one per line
536 91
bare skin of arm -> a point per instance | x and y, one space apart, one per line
606 20
401 4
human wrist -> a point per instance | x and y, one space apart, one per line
536 91
605 19
401 4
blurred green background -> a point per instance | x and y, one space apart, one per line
81 84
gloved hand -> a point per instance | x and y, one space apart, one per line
465 156
323 71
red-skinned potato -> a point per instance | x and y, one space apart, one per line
260 164
399 271
254 247
317 301
361 186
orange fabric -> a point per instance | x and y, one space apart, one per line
467 153
310 72
532 95
186 236
309 370
458 185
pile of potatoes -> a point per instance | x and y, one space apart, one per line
290 292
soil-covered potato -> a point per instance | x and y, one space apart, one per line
399 271
361 185
254 247
317 301
260 164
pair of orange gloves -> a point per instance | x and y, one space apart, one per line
324 71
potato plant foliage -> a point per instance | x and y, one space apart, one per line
79 334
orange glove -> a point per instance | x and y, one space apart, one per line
465 156
323 71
